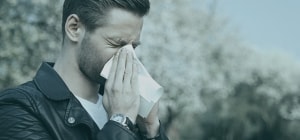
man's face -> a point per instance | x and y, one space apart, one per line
98 47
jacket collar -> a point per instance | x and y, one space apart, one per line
50 83
52 86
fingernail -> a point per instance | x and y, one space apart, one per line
117 54
122 51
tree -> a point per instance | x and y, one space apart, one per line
208 73
29 34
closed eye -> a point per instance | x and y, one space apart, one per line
111 43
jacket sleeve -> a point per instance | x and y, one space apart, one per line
18 122
160 136
115 131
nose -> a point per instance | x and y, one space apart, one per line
130 48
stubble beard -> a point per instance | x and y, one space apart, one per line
88 61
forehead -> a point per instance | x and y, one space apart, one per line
120 22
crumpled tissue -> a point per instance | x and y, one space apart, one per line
149 90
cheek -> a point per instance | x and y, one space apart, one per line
99 53
106 54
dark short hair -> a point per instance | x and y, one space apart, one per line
92 12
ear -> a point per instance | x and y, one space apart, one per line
74 29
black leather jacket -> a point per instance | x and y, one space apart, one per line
46 109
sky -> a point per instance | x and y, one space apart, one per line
270 25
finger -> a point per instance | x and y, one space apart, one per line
120 69
128 71
155 108
134 77
112 73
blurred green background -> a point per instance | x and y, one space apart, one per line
216 86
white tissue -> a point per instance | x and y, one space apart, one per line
149 89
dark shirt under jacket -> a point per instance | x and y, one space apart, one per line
45 109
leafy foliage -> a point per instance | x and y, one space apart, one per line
29 33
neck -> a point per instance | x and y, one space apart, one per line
68 69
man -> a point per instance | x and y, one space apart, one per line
63 101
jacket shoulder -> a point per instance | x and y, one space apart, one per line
25 95
19 114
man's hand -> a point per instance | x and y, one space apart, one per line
120 93
150 125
